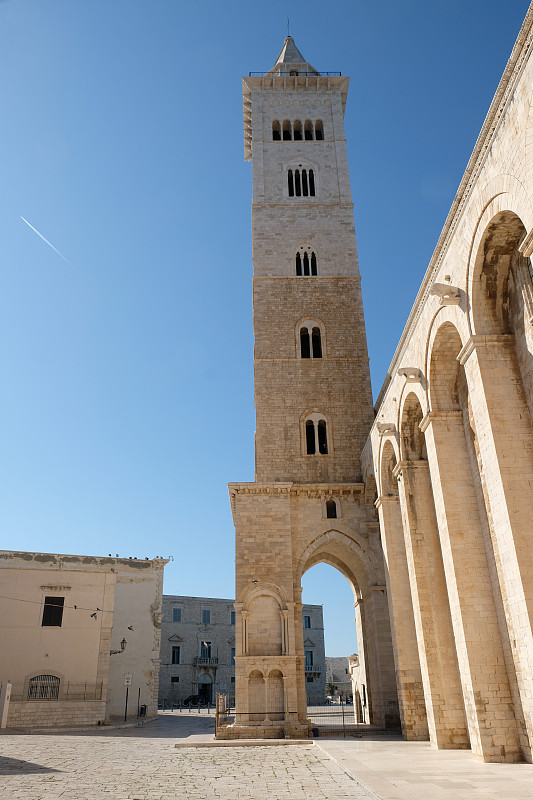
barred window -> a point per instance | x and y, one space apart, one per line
43 687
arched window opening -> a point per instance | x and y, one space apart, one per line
316 343
319 130
302 183
291 183
306 261
305 343
43 687
276 131
322 437
310 437
308 130
331 509
305 187
297 131
316 440
287 131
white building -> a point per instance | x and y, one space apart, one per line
78 633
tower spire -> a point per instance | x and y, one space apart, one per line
290 60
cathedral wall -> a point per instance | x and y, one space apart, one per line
467 352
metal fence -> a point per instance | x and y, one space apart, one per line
190 708
332 719
56 690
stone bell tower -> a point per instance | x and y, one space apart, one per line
312 393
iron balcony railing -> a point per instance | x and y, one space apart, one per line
286 74
206 662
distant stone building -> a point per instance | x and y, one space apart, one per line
198 649
76 631
338 672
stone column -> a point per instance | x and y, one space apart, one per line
505 440
404 643
486 692
379 658
438 660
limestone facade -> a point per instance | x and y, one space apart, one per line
451 451
308 503
198 649
72 627
338 673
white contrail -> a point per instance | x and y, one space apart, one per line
46 240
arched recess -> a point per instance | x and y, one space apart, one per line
498 410
342 548
388 461
502 292
462 519
262 619
275 695
413 443
404 637
257 696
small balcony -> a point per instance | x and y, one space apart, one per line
199 661
312 668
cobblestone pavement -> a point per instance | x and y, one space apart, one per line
143 764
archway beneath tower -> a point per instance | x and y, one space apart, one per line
364 673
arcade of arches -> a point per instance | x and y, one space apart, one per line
433 491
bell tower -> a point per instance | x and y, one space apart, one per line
312 392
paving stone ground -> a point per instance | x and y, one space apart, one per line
143 764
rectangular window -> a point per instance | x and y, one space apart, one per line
53 612
206 616
174 679
309 679
233 678
175 655
233 617
308 658
205 651
233 655
307 622
176 615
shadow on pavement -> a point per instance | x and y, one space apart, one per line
166 726
13 766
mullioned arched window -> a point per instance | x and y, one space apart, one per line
316 435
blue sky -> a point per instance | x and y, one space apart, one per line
127 391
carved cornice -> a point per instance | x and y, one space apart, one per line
411 374
386 428
321 490
438 416
386 498
449 295
402 465
484 340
